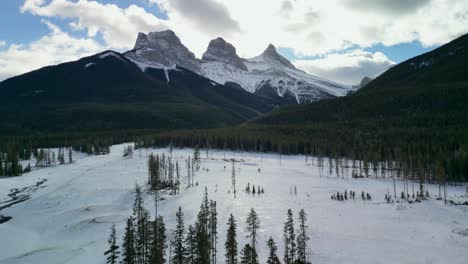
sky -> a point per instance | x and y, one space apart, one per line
342 40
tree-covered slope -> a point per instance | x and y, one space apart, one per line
426 91
107 91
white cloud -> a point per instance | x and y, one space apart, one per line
54 48
2 43
118 26
323 26
319 27
349 67
205 15
390 7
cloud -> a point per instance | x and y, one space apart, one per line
118 26
54 48
309 28
392 7
2 43
349 67
286 8
205 15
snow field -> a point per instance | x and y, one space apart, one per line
68 221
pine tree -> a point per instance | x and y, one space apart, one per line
233 178
141 216
213 230
189 174
128 245
1 164
249 255
158 254
113 252
272 248
196 158
202 231
231 241
289 239
180 251
191 245
177 186
302 238
70 155
253 224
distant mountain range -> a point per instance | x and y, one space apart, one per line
427 91
267 74
108 92
159 84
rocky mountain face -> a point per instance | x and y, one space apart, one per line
267 74
163 49
221 51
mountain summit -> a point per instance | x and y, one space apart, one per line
268 74
222 51
163 48
273 56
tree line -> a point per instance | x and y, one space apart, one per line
148 241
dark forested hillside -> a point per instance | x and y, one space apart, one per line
108 92
415 113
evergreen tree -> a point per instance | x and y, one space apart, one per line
1 164
191 245
189 174
158 254
231 241
253 224
196 158
113 252
233 179
249 255
141 215
177 185
272 248
180 252
302 238
202 231
70 155
289 239
128 245
213 230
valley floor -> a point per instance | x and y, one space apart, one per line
67 210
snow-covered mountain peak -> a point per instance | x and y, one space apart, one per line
267 74
272 56
222 51
163 48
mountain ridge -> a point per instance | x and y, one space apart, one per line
221 63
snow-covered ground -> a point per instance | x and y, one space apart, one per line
67 218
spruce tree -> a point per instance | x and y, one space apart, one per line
302 238
272 248
70 155
128 246
113 252
191 245
249 255
213 223
231 241
180 252
289 239
141 216
253 224
177 185
202 231
158 254
1 163
233 179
